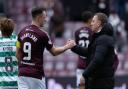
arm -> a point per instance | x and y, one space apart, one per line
98 58
58 50
82 51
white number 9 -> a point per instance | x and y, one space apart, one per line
27 49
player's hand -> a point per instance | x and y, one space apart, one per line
82 83
70 44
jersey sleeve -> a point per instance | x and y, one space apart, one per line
76 36
17 44
48 42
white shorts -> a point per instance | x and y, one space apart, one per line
78 76
8 88
31 83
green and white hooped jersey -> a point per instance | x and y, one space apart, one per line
8 62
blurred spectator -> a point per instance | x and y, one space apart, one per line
74 8
114 19
103 6
56 26
119 30
119 6
126 16
57 20
2 6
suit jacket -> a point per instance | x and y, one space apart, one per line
101 57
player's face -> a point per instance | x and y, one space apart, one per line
42 18
89 21
95 24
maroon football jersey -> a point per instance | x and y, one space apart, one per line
33 42
82 39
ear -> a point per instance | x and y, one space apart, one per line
99 23
38 18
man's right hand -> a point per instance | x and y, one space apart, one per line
70 44
82 83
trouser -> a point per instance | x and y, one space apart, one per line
78 76
31 83
8 88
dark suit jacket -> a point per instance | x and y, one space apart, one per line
99 73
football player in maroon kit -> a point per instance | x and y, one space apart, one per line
30 47
82 39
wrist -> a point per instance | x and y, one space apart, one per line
65 47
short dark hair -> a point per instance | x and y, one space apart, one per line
102 17
7 26
86 15
37 11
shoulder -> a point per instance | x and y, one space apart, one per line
83 31
13 36
44 33
105 39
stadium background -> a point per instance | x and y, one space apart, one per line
64 17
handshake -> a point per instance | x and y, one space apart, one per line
69 44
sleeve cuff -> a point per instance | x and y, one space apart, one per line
74 48
85 75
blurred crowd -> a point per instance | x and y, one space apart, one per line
64 17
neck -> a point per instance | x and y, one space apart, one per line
35 23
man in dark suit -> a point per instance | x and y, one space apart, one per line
99 73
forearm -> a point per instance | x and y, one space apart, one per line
58 50
82 51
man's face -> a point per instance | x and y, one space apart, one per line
95 24
42 18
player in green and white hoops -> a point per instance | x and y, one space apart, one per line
8 61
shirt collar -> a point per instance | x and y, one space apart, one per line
99 30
